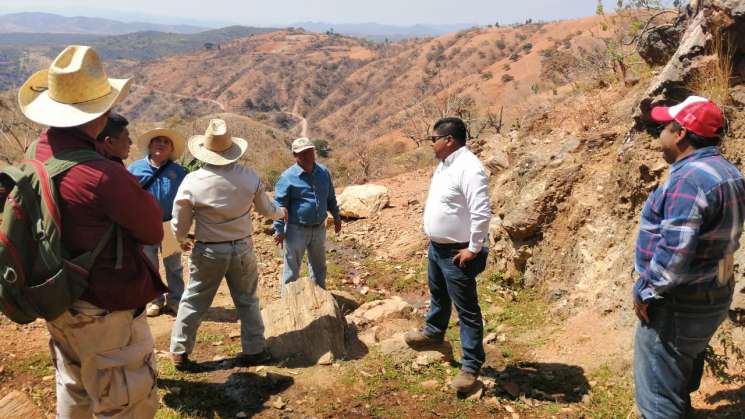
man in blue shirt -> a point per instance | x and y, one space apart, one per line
160 175
307 191
689 230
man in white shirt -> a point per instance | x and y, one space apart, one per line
219 198
456 220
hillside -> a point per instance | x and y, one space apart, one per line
21 53
52 23
345 85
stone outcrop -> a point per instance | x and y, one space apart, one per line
305 325
379 310
363 201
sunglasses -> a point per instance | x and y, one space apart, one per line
435 138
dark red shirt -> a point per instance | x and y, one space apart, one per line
93 195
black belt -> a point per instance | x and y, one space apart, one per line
452 245
710 296
223 242
311 225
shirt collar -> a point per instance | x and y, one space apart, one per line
299 170
699 154
454 155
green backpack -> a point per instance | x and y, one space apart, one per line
37 276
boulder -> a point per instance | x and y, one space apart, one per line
363 201
305 325
657 45
379 310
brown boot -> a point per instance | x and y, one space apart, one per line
465 381
181 362
418 341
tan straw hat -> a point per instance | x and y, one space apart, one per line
216 146
73 91
178 141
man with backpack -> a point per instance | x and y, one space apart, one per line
160 175
100 341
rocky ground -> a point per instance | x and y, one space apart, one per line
532 370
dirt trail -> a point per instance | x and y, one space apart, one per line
203 99
303 121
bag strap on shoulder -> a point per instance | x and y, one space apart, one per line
66 160
155 176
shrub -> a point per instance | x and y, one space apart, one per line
487 75
506 78
527 47
515 56
501 44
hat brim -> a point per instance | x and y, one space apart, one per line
230 155
301 149
661 114
36 105
178 141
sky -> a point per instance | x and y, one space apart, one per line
286 12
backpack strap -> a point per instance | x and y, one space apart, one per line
66 160
31 150
148 183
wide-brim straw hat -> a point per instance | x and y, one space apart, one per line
217 146
178 141
74 90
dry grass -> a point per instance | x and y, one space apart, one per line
713 78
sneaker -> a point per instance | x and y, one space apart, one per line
181 362
417 340
153 310
170 309
465 381
249 360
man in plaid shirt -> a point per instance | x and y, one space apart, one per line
690 228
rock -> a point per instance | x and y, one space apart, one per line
326 359
430 384
657 45
347 301
497 162
376 311
18 405
279 404
241 415
512 389
631 81
362 201
396 346
304 325
427 358
737 93
493 402
490 338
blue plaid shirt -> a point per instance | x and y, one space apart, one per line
307 196
689 224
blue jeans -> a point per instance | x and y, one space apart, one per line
298 239
668 354
174 275
208 264
448 285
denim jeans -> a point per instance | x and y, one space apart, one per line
208 264
174 275
668 354
448 285
298 238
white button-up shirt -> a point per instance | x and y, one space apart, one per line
457 209
220 199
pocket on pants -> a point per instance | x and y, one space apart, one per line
693 331
125 376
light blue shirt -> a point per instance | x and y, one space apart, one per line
164 188
307 196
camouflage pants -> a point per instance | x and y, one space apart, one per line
104 363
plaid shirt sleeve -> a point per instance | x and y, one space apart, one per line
671 243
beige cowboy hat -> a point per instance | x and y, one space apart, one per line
72 91
178 141
216 146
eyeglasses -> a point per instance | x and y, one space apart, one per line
435 138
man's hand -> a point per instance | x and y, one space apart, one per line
286 215
642 310
279 239
186 245
463 256
337 226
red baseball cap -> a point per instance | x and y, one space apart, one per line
697 114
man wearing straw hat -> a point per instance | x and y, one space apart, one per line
101 347
218 198
160 175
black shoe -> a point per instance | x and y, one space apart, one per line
250 360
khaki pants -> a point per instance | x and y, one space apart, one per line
105 364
